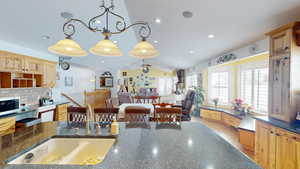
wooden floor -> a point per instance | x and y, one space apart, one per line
230 134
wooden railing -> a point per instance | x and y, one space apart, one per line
72 100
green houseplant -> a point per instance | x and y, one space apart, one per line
199 99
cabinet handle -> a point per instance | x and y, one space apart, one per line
277 134
271 132
286 48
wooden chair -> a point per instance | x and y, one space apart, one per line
136 114
97 98
168 114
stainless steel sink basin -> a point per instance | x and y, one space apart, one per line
67 151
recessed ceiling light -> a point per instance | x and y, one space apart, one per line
102 61
211 36
191 52
155 41
187 14
66 15
157 20
45 37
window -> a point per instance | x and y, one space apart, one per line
220 87
165 86
191 81
254 87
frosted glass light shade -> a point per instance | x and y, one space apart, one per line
144 50
67 47
106 48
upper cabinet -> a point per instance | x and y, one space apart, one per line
18 71
284 72
49 75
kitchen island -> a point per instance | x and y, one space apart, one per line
156 146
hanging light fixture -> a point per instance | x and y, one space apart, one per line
105 47
67 47
144 50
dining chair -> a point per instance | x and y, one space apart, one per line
136 114
164 114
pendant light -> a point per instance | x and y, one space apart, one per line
144 50
106 48
67 47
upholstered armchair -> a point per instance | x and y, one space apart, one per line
187 105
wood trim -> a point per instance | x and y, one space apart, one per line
282 28
72 100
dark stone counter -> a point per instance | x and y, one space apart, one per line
294 127
188 146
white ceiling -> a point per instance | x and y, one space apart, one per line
235 23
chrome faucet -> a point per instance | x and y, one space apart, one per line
91 119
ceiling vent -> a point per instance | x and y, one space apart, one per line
187 14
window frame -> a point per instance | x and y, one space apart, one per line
220 69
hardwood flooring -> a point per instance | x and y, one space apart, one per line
230 134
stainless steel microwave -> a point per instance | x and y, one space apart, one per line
9 105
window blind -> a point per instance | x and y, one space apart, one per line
254 88
220 87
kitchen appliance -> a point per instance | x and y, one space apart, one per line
45 101
9 105
46 113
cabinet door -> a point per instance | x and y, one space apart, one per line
13 63
286 152
265 144
49 75
281 43
33 66
279 98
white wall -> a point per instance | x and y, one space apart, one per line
83 79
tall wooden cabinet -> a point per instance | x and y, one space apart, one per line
276 148
284 79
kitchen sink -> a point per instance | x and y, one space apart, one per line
67 151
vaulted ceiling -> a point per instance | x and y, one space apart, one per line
234 23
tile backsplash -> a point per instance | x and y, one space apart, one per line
29 96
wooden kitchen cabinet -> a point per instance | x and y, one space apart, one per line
276 148
210 114
61 113
7 125
284 63
231 120
33 66
11 63
265 144
49 74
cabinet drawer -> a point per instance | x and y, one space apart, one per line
7 125
230 120
209 114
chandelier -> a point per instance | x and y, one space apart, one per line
105 47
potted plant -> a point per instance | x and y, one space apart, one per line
238 106
199 99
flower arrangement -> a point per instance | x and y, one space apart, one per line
238 105
216 101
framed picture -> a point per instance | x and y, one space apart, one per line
68 81
109 82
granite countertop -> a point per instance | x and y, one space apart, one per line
293 127
31 108
188 146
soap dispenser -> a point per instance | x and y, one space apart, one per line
114 129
